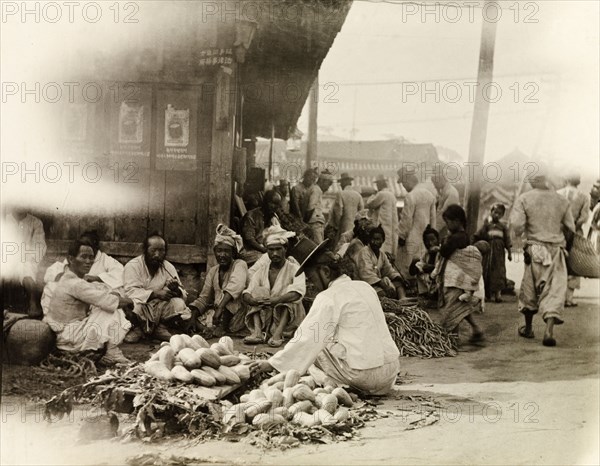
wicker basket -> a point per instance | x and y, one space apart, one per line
583 259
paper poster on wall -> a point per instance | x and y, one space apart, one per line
177 129
130 125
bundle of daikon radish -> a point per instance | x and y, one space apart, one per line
193 360
289 397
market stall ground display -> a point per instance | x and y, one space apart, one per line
413 331
411 327
152 410
221 401
193 360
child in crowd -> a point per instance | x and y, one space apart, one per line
423 267
458 239
458 273
494 269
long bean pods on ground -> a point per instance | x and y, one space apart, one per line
413 331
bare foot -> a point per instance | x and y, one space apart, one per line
35 311
548 339
254 339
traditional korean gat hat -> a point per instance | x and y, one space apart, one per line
309 253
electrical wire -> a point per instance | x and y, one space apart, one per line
421 120
541 75
450 4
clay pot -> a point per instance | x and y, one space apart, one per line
29 342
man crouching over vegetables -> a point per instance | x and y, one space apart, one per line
344 339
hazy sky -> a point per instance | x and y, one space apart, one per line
547 72
372 80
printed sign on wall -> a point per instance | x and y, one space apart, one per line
215 56
130 127
177 130
177 127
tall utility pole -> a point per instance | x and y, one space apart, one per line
480 119
313 107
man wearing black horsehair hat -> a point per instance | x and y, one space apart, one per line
344 339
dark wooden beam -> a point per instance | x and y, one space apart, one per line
178 253
221 158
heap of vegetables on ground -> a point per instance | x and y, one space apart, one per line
285 397
193 360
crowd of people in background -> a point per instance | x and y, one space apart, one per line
256 287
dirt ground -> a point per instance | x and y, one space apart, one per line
510 401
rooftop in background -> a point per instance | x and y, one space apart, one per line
393 151
363 160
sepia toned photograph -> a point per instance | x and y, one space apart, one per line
300 232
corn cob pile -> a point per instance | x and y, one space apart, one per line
413 331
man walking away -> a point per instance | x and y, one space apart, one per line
543 215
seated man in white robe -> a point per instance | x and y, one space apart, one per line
105 269
373 267
157 293
262 262
224 284
274 294
87 316
344 340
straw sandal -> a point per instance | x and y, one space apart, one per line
523 333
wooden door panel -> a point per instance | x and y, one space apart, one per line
130 210
181 207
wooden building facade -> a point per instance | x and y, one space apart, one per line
181 103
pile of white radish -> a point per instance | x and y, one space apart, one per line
193 360
287 397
